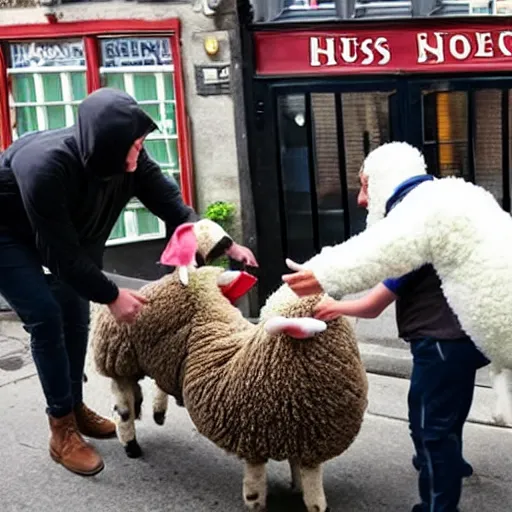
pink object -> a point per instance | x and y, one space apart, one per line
239 287
182 247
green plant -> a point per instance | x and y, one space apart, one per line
223 213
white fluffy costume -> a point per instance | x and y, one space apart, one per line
454 225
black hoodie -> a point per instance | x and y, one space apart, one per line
63 190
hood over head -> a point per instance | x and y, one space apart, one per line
109 122
387 167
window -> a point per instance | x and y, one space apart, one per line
47 76
143 68
47 84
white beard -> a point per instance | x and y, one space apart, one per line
386 167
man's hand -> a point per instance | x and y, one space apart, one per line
127 306
327 309
242 254
303 283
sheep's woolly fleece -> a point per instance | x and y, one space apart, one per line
255 394
456 226
263 396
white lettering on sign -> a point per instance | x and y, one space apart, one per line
484 44
330 51
424 49
460 51
47 54
316 51
136 51
501 43
461 46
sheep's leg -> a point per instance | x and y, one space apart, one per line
502 385
160 401
124 392
313 489
138 399
296 478
255 486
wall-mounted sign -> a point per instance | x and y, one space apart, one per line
47 53
213 79
373 50
136 51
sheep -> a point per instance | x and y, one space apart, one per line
458 228
288 388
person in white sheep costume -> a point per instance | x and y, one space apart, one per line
454 226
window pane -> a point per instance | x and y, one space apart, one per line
328 184
56 117
23 88
78 86
169 123
366 125
26 120
147 222
152 111
169 86
158 150
445 133
172 148
114 80
488 150
145 87
52 86
119 230
295 174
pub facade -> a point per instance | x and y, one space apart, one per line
326 82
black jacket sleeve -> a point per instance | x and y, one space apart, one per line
43 191
161 195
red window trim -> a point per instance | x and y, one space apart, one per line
89 31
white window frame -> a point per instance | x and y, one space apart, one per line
40 104
127 72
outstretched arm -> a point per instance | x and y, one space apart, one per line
392 247
369 306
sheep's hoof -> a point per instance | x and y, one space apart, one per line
133 449
253 502
159 417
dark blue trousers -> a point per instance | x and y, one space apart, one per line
440 397
57 319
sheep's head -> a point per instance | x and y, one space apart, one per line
204 238
386 167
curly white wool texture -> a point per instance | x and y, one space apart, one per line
386 167
456 226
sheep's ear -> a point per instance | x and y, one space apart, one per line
235 284
182 247
299 328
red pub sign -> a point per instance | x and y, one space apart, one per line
408 49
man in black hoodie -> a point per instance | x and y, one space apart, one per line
61 192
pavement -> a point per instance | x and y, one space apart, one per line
183 472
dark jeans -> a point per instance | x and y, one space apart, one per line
56 318
440 397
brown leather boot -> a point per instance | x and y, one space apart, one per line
68 447
91 424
